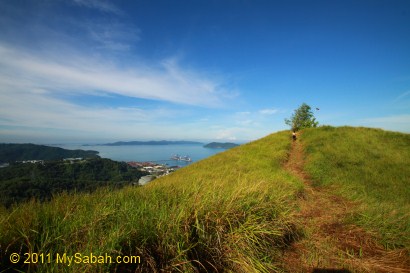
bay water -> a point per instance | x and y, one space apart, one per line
160 154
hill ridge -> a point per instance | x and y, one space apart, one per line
241 210
10 152
323 215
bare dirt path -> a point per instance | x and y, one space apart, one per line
330 243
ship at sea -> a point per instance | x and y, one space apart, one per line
181 158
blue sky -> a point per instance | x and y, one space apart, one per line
96 71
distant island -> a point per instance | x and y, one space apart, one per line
18 152
220 145
152 142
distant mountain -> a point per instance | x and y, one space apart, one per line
162 142
20 152
220 145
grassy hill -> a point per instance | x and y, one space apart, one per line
236 211
19 152
21 182
369 166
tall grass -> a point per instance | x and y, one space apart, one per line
370 166
231 212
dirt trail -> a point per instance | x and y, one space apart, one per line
330 244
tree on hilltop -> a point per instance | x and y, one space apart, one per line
302 118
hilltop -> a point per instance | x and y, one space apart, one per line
354 211
20 152
337 198
220 145
151 142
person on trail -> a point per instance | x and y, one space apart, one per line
294 135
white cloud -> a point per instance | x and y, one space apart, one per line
100 5
84 75
226 134
37 87
26 114
240 133
394 122
268 111
402 119
110 35
49 64
39 111
245 122
244 113
254 119
402 96
245 125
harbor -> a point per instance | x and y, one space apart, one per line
157 169
185 158
160 154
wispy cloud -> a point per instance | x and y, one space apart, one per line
240 133
247 125
81 74
53 67
111 35
402 96
227 134
100 5
268 111
37 92
254 118
38 110
403 119
32 113
393 122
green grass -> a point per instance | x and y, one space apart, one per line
370 166
231 212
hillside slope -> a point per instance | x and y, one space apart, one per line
337 234
20 152
21 182
232 211
370 166
237 211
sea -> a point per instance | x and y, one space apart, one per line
160 154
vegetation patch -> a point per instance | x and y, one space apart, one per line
371 167
24 181
230 212
237 211
18 152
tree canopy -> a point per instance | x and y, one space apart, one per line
21 182
302 118
18 152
